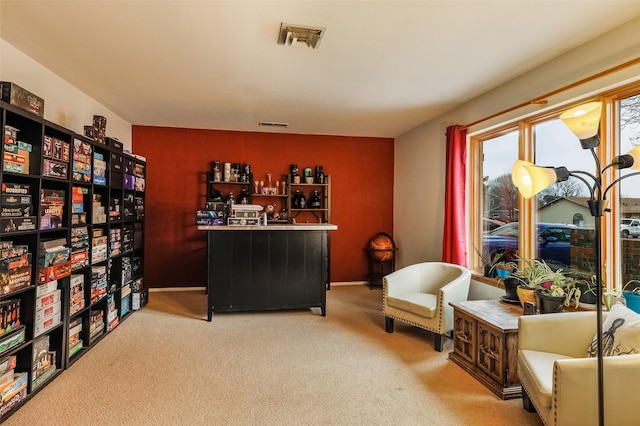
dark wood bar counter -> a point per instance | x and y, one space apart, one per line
273 267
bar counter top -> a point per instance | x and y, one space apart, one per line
274 227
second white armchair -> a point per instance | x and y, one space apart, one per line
420 295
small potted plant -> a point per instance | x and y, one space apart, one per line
503 268
489 261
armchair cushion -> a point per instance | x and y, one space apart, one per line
539 367
418 303
620 333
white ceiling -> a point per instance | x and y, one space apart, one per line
382 68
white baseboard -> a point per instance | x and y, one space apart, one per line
341 283
177 289
333 284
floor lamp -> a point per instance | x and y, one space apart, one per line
584 122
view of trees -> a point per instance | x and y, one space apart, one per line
630 117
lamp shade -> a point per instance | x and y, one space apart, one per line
583 120
514 168
531 179
635 154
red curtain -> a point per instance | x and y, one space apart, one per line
454 245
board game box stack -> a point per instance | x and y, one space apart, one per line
78 208
125 300
13 385
55 158
43 362
76 294
139 208
96 325
115 241
81 163
138 173
17 154
99 169
75 338
17 208
51 208
54 261
115 208
15 267
79 248
97 130
99 211
48 307
127 238
22 98
112 313
98 246
98 283
9 315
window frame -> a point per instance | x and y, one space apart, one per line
527 214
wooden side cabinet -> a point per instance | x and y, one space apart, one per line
485 344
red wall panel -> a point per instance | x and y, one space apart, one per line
361 172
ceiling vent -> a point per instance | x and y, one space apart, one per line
292 35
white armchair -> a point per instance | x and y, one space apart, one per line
420 294
561 383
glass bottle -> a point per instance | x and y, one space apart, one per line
217 174
315 202
243 198
295 176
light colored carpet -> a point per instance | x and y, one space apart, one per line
166 365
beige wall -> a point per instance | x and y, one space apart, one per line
64 104
420 153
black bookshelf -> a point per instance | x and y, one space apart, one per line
60 186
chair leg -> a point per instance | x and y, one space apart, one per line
388 324
526 402
437 342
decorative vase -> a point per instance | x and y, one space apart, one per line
510 289
587 293
610 299
526 294
632 300
549 304
503 273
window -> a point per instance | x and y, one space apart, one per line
556 225
629 194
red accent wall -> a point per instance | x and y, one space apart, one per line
361 172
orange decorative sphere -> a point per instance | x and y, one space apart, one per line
381 248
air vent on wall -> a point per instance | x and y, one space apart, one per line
273 124
292 34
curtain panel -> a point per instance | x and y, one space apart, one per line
454 244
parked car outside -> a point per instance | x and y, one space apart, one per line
554 242
489 224
630 228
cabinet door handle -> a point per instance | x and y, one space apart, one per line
463 336
488 351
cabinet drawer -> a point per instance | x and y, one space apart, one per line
491 352
464 336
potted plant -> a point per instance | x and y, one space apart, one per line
585 279
488 260
548 288
503 268
632 296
